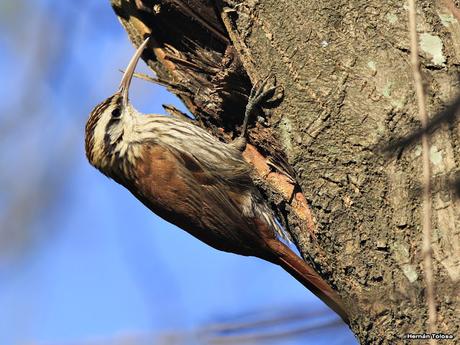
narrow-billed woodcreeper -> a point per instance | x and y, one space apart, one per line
191 179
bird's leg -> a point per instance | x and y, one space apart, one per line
263 94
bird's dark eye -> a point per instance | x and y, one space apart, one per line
116 112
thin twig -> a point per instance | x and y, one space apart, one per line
427 204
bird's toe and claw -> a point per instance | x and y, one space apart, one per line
264 94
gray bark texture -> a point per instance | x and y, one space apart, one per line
347 126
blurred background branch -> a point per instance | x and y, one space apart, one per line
258 327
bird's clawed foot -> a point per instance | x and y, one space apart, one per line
264 94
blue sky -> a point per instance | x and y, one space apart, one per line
81 258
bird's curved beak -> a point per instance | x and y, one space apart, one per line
128 75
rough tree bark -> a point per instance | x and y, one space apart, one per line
346 126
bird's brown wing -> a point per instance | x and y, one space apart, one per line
226 205
179 188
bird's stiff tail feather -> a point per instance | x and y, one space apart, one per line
305 274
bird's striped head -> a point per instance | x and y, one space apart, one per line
109 121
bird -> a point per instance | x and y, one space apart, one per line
193 180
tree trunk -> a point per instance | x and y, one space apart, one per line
348 127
